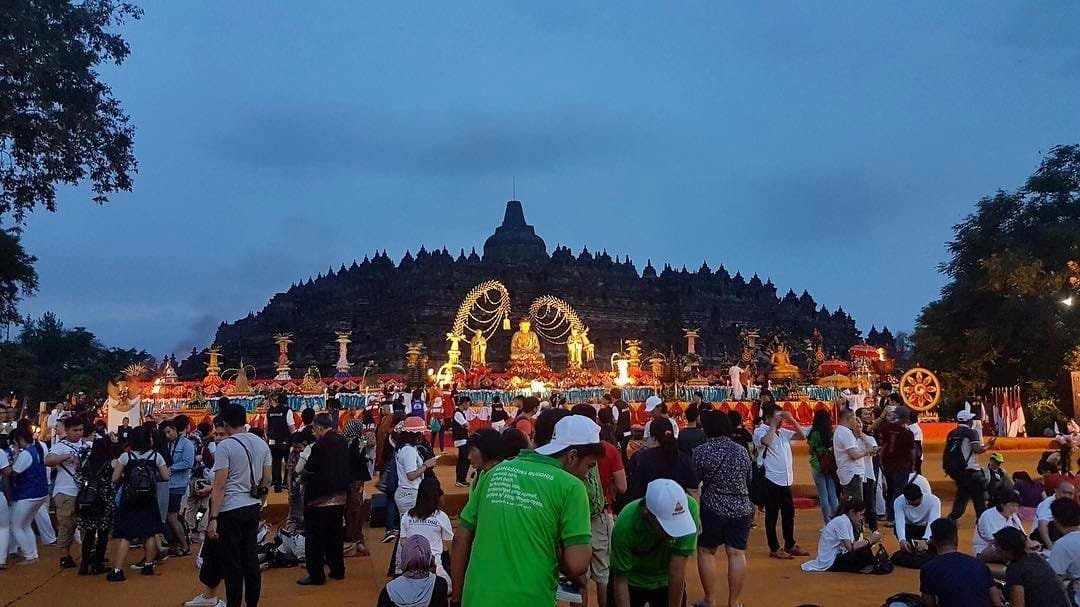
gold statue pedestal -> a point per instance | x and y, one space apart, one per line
784 372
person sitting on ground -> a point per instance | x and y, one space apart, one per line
1029 580
914 513
997 479
838 548
1046 532
418 585
1050 469
1065 556
651 544
1031 492
952 578
1002 515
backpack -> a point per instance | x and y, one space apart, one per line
952 459
826 457
904 599
595 491
140 479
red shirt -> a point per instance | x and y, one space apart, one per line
606 468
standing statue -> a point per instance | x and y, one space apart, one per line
574 349
479 349
453 355
589 347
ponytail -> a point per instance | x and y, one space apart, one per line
664 432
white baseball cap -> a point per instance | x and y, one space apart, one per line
571 431
653 402
667 501
965 416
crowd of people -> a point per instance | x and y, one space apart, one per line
561 500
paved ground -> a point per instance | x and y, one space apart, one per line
771 583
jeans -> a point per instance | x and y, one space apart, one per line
969 486
238 545
778 502
869 488
22 515
826 491
894 486
94 542
278 454
462 468
323 538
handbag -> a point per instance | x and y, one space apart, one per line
883 565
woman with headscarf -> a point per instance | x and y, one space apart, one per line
354 497
417 586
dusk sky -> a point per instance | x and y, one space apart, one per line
828 146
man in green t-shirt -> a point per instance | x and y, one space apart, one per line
651 544
527 520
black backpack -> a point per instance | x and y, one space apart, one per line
140 479
952 459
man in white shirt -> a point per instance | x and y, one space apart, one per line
1046 532
655 406
914 513
850 453
1065 556
774 448
66 456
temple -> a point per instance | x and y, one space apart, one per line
387 305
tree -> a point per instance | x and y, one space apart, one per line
17 276
58 122
49 361
1000 320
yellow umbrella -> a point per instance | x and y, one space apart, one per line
835 381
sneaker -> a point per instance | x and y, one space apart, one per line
68 563
143 563
203 601
148 570
390 536
117 575
460 485
567 592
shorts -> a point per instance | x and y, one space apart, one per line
719 530
175 501
600 564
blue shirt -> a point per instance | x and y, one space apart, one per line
957 580
183 460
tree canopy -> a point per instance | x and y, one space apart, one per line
17 276
49 361
59 123
1001 319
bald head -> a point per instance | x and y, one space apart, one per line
1065 490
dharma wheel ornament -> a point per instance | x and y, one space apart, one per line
920 389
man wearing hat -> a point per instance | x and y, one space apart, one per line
997 478
654 406
651 544
961 463
538 500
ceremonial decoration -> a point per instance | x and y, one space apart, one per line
782 369
480 314
213 367
342 365
283 369
920 389
526 359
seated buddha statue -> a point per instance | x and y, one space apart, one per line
781 364
525 345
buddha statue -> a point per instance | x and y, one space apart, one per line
781 364
525 345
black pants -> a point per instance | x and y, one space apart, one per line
238 548
462 470
969 486
911 532
778 502
324 536
869 492
278 454
894 486
854 561
93 546
653 597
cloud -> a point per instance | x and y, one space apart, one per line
324 136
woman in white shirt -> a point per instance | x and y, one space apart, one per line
838 548
410 465
992 520
427 520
